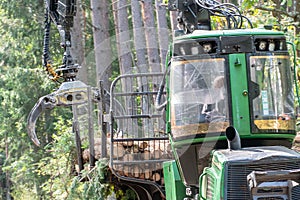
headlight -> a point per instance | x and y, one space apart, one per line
262 45
271 46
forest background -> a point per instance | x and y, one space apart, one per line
109 38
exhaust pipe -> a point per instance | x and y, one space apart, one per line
233 138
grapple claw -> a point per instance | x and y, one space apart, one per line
69 93
45 102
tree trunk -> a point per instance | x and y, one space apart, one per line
151 36
123 36
138 38
125 59
102 45
173 20
163 32
78 42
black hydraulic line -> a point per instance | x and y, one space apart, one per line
248 20
46 56
46 46
192 12
161 88
230 11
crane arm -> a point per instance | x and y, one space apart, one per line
61 13
71 92
196 14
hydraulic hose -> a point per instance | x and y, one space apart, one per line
161 88
46 56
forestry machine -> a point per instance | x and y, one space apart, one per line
217 125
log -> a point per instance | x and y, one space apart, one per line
118 151
127 170
97 141
156 177
137 171
165 146
158 166
86 155
127 144
129 157
166 155
146 155
120 169
97 151
156 154
143 145
142 176
135 147
148 173
297 139
146 150
160 145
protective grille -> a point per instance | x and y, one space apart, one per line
237 186
270 198
295 193
139 144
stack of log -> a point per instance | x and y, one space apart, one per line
141 150
141 159
97 149
136 159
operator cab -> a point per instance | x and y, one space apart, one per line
199 97
272 100
240 78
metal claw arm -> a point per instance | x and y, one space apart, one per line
68 94
45 102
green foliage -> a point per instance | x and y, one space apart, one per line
22 83
21 30
249 4
13 52
271 12
16 102
96 188
44 173
57 166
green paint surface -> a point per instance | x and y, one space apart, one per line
239 91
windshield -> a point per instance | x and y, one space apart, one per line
273 104
198 97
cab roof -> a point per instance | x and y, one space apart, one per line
235 32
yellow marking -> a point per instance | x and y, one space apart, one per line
276 124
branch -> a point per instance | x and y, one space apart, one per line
281 12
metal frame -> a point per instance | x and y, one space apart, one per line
134 119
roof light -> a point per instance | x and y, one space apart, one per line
207 47
262 45
271 46
182 51
281 45
194 50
